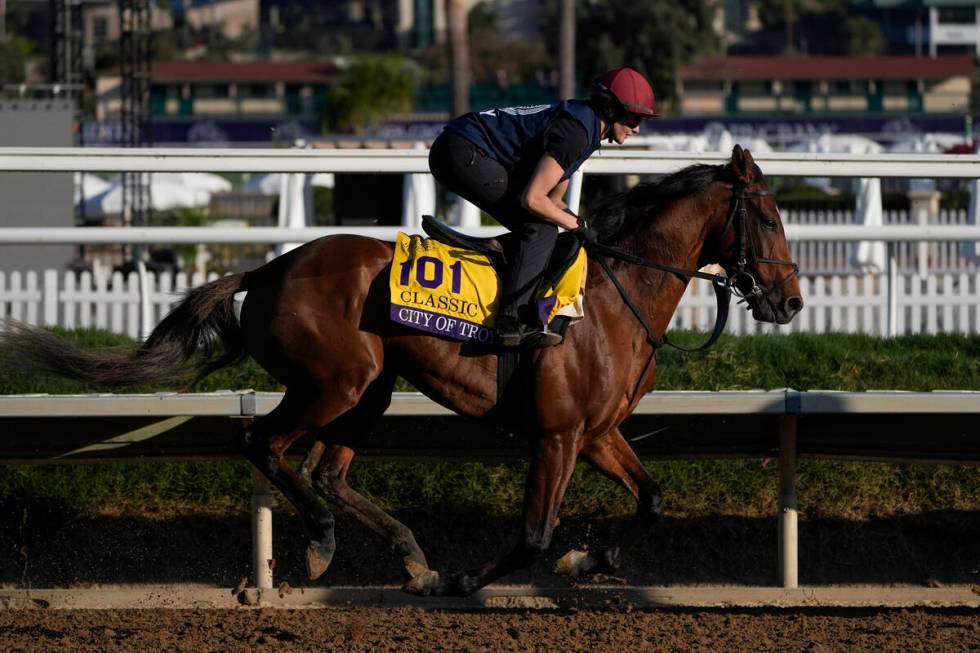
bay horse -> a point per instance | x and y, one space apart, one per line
317 319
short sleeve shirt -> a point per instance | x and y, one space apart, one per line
565 139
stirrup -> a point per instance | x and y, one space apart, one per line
527 337
541 339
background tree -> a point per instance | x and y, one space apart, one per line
864 36
494 55
370 90
814 27
14 51
654 37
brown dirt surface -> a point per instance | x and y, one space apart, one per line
408 630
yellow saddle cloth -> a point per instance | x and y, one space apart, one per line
454 292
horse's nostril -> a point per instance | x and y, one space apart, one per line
794 305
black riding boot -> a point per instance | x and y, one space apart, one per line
517 323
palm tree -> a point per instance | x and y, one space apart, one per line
567 49
459 56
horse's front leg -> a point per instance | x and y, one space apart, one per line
615 458
552 464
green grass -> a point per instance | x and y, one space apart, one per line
837 361
691 488
745 487
848 362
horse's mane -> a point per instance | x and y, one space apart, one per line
618 216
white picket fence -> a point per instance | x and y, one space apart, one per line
89 301
856 303
835 257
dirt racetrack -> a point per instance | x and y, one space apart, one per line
49 547
375 630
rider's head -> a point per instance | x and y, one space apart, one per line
623 96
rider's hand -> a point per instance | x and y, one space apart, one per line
585 233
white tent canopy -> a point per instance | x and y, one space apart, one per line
164 196
271 183
197 180
88 185
926 143
714 138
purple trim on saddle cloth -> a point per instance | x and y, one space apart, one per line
544 305
439 324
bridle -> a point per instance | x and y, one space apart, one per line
723 286
747 250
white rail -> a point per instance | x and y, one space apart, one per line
274 235
609 161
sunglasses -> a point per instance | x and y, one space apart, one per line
631 120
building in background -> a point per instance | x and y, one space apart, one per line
231 18
224 101
825 85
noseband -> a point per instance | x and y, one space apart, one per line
747 255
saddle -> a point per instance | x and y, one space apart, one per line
498 250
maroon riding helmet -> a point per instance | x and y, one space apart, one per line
623 95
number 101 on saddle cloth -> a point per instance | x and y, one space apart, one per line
454 292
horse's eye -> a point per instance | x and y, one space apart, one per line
768 223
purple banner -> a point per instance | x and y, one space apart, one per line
439 324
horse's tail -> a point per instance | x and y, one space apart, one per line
194 329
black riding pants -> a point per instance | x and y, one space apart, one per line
468 171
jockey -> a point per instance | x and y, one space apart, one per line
515 164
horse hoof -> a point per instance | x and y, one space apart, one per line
318 558
462 584
574 563
427 583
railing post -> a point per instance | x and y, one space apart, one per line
261 530
788 534
51 298
575 191
146 314
891 291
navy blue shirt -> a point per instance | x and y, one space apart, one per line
511 135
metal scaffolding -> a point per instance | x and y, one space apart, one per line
66 72
135 36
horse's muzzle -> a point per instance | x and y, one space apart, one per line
788 309
765 310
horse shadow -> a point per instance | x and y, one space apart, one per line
49 546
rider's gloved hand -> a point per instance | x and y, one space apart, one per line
585 233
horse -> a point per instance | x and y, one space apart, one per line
317 319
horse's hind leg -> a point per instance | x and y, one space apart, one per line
613 457
327 464
330 480
265 443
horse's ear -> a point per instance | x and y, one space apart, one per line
742 165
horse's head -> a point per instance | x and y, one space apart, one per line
752 245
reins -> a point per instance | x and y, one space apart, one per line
722 285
